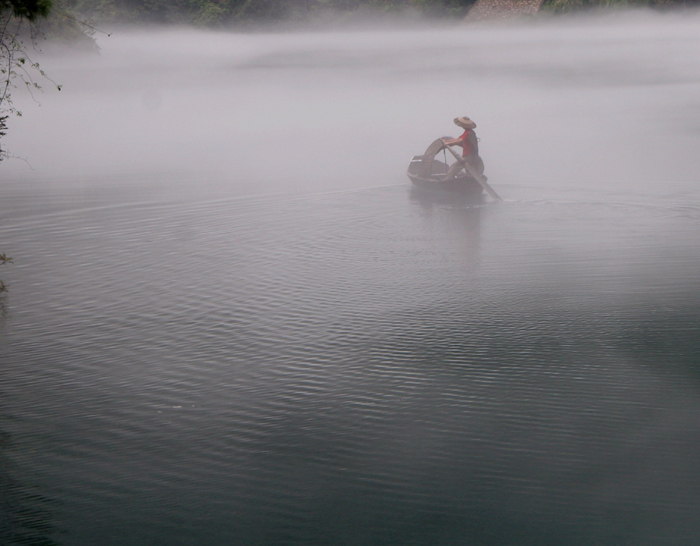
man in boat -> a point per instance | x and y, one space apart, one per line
470 148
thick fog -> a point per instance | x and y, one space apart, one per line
605 101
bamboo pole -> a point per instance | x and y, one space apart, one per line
479 178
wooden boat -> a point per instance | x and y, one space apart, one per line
427 174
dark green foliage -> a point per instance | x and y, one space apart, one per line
30 9
142 11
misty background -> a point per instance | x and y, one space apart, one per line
231 321
596 102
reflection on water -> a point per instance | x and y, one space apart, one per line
464 214
358 368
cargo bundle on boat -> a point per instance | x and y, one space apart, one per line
429 173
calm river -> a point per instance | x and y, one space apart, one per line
291 348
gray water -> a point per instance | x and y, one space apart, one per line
230 321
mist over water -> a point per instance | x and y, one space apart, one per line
230 321
602 102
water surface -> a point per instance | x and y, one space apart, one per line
315 357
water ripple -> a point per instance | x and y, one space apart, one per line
284 370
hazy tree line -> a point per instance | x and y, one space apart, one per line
231 12
223 12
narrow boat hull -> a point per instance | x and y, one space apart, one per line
433 181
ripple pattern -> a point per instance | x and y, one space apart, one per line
351 368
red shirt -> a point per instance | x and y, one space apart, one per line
469 145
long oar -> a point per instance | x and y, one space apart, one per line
479 178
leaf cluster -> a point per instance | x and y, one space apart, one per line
28 9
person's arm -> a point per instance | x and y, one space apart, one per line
452 141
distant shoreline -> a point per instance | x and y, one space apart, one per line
239 14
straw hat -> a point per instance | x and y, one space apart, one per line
465 122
